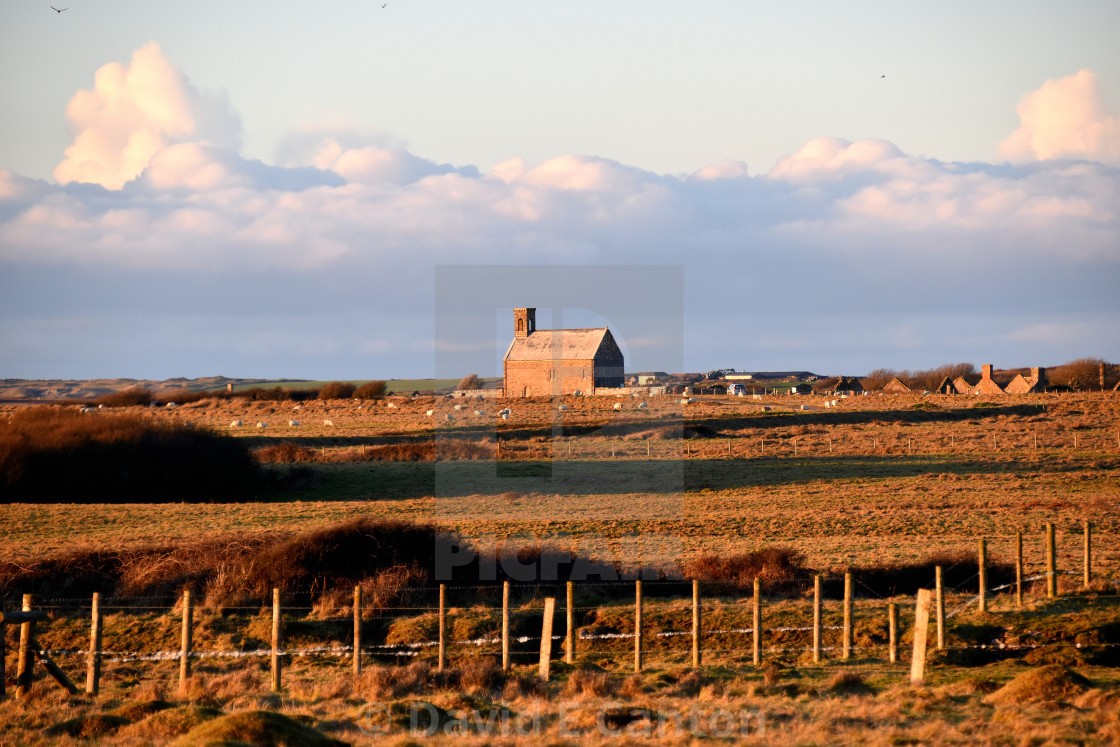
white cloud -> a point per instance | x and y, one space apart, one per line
135 111
1065 118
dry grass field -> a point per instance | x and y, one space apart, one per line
872 482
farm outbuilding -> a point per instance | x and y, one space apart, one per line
547 362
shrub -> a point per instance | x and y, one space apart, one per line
1083 374
130 397
337 390
776 567
370 390
470 381
51 454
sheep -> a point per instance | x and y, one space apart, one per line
430 413
293 422
449 417
392 405
261 425
235 424
563 407
172 404
479 412
505 416
642 406
458 407
618 405
86 409
298 407
767 409
328 421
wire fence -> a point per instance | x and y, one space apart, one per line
606 632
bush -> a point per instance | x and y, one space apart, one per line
776 567
130 397
1083 374
370 390
56 455
469 382
337 390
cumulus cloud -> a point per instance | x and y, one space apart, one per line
133 112
1065 118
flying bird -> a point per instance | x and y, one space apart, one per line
58 10
882 76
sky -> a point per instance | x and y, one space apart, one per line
283 189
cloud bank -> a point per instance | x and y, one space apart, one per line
163 252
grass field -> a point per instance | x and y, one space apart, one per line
874 480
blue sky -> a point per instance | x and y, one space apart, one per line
269 189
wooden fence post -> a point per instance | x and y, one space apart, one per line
3 657
442 626
696 623
816 618
847 644
505 626
1019 569
921 631
756 655
1051 563
357 630
892 621
982 562
185 649
24 661
570 639
93 665
546 637
276 641
1087 580
939 591
638 626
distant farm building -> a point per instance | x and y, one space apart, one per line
990 381
541 363
1036 382
895 386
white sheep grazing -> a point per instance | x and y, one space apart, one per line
458 407
430 413
392 405
262 425
505 416
171 404
618 405
328 421
480 412
642 406
298 407
235 424
563 407
293 422
87 409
